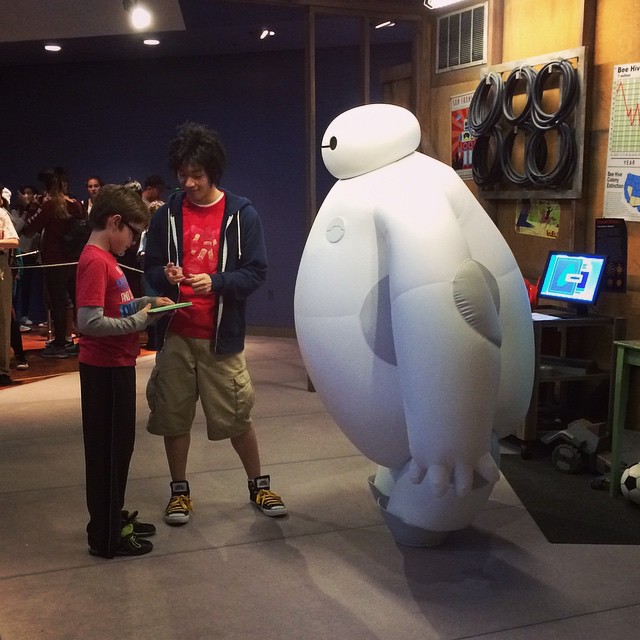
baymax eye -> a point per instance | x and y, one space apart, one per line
333 143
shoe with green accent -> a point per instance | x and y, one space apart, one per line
129 545
141 529
263 498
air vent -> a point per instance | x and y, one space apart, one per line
462 38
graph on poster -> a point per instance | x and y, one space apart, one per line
622 180
624 134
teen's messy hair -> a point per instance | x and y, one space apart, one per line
116 198
199 145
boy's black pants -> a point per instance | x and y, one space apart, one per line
108 425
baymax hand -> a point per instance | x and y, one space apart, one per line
440 477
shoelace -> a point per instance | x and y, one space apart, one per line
131 519
268 499
179 503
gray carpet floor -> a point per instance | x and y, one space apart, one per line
329 570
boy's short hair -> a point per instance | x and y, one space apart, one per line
199 145
113 199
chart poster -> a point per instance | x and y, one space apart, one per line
462 141
538 218
622 186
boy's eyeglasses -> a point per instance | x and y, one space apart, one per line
135 233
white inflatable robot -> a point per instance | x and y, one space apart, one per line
414 324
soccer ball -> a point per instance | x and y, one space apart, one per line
630 483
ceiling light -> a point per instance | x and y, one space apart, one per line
139 16
52 47
152 42
267 33
385 24
438 4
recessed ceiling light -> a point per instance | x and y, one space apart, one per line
151 42
52 47
139 15
438 4
384 25
267 33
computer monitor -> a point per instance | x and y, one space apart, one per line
574 278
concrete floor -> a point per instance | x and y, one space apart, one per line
330 570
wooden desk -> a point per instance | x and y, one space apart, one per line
556 320
627 355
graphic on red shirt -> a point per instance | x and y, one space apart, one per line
201 242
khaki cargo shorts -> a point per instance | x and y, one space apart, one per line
187 370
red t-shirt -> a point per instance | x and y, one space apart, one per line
200 243
102 283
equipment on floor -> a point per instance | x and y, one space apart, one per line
578 447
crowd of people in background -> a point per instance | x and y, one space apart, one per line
38 272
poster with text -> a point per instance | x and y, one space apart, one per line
622 184
462 141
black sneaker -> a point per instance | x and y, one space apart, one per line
177 511
73 349
263 498
51 351
5 380
130 545
140 529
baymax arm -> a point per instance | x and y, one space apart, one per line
446 334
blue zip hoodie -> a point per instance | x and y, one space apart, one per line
242 262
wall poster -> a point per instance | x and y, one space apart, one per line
462 142
538 218
622 184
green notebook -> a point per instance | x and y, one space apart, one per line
170 307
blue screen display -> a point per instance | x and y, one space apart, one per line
572 277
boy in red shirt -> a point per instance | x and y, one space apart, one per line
109 319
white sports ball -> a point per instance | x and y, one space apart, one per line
630 483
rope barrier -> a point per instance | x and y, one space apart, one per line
62 264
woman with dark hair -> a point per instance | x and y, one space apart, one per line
94 184
54 219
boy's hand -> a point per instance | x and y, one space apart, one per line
173 274
161 301
200 283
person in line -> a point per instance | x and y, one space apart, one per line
109 319
8 241
94 184
205 246
153 189
53 218
31 278
155 332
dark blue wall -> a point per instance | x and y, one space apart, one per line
116 119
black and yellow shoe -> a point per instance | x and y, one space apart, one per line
180 505
263 498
